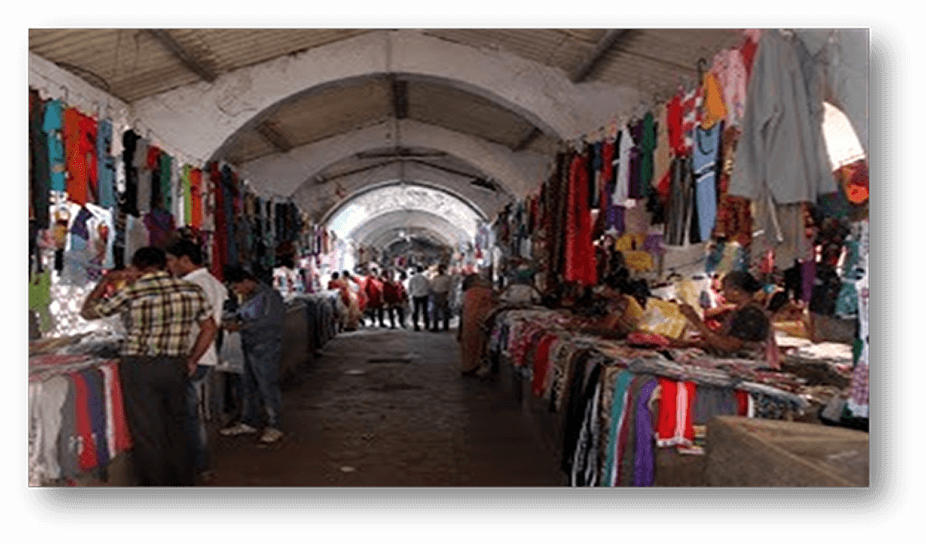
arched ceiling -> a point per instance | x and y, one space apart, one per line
364 218
324 113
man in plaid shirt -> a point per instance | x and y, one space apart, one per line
159 311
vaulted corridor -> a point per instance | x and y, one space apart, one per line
389 408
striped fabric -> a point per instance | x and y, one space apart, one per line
161 311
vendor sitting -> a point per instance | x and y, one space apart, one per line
746 331
613 313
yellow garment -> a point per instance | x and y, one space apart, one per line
630 242
714 107
662 156
663 317
638 261
686 291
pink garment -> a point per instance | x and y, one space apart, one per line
730 71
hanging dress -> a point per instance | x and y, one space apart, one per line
706 149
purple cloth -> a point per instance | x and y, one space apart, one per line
644 471
808 277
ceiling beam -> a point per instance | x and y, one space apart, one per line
274 137
187 58
604 45
528 140
399 98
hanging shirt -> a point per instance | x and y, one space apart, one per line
197 193
706 150
731 75
128 200
774 154
622 168
714 109
52 127
80 135
106 164
160 224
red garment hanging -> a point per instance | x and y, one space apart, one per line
80 149
196 198
580 252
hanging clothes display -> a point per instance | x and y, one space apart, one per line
579 251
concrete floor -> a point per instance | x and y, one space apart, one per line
389 408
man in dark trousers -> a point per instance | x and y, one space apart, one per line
419 288
160 312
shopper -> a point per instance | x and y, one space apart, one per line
260 320
373 288
160 313
394 298
185 261
440 296
478 301
419 287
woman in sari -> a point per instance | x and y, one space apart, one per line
478 301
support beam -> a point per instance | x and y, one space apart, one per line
604 45
274 137
399 98
187 58
528 140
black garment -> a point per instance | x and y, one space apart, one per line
39 174
153 390
393 310
750 324
128 199
575 409
420 308
679 206
376 314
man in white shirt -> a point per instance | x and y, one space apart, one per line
419 288
185 261
440 293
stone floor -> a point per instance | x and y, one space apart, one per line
389 408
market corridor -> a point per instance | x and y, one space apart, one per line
389 408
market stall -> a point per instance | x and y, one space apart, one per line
100 189
665 200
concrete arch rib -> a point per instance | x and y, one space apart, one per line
375 230
284 173
200 118
322 202
392 206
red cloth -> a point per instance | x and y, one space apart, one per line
676 402
674 126
742 402
392 292
580 252
123 437
80 151
638 338
196 198
607 157
542 364
748 50
86 451
374 292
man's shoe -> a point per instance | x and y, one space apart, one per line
241 428
271 435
